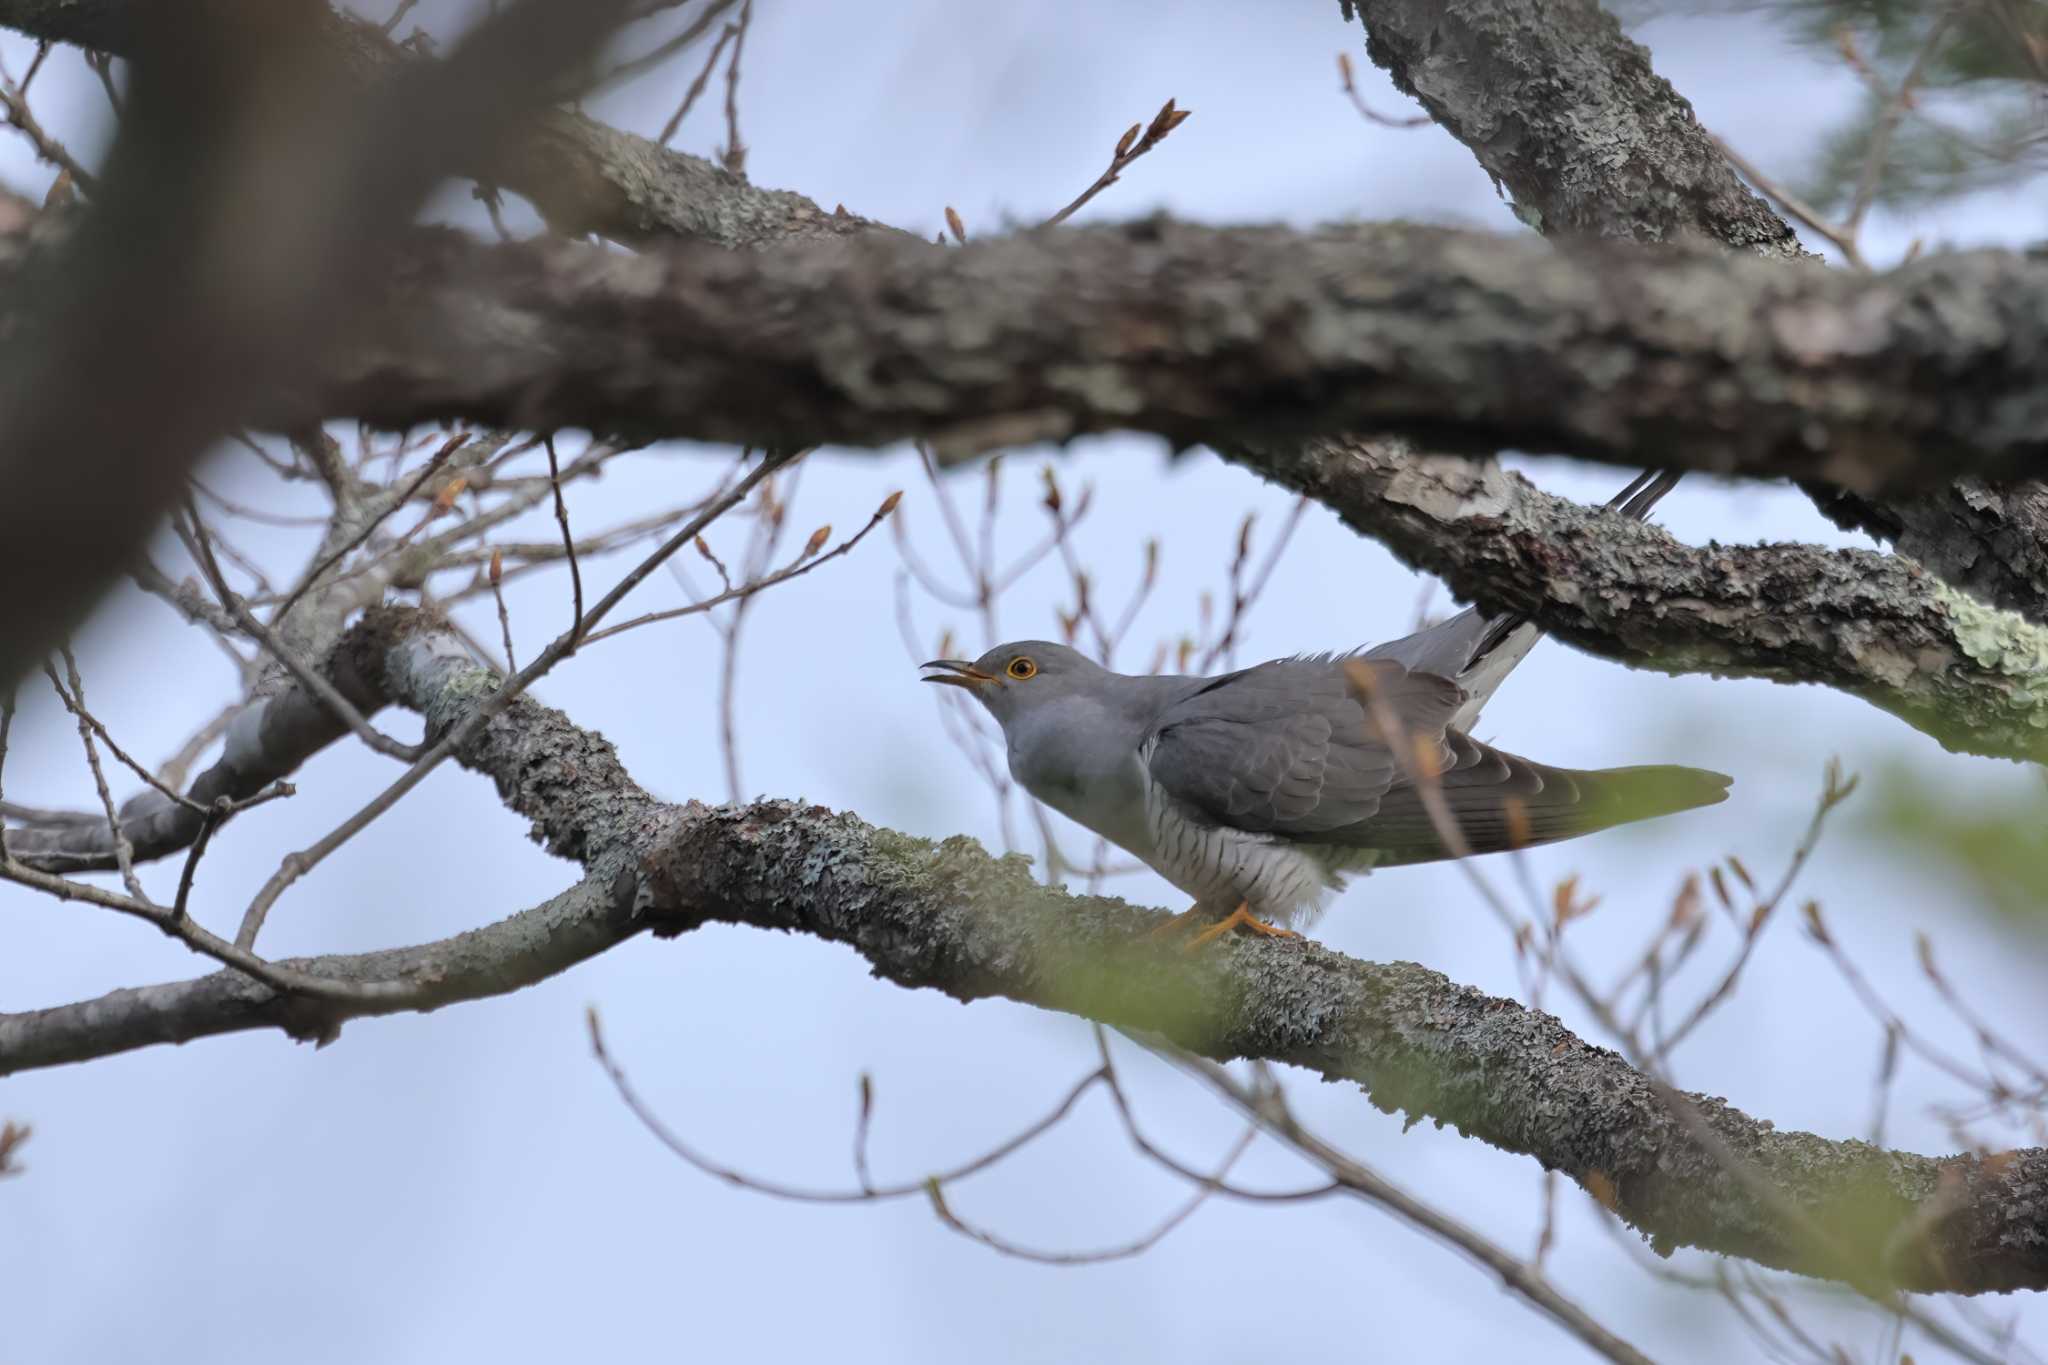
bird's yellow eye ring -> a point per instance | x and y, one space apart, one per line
1021 668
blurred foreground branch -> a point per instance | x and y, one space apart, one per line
1469 340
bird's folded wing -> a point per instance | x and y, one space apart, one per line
1286 748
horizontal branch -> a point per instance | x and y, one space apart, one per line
948 917
1467 340
1872 625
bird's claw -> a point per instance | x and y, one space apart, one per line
1240 918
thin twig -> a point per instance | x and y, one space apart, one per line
1840 237
869 1193
675 121
194 534
1365 111
568 539
795 570
1269 1111
1895 104
497 576
295 865
1137 1246
734 155
1136 141
124 851
369 528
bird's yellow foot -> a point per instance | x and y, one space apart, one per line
1175 923
1240 918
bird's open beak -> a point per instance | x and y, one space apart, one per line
959 673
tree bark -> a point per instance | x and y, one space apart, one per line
1683 358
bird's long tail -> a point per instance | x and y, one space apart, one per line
1500 801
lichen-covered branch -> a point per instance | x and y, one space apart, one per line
948 917
1990 540
1689 358
1563 109
1873 625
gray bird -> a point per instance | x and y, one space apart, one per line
1259 792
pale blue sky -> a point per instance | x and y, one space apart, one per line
464 1185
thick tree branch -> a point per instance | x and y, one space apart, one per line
948 917
1564 110
1873 625
1688 358
1990 540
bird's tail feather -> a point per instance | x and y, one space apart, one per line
1535 804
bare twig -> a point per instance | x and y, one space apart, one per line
568 540
1841 237
496 573
74 701
369 527
295 865
1269 1111
690 96
1365 111
869 1192
194 534
797 569
733 156
1137 140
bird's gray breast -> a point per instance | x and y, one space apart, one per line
1082 760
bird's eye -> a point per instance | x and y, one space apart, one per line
1022 668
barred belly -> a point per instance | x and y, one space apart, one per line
1279 881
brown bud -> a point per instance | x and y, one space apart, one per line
888 504
445 499
497 566
1123 144
817 540
1344 68
955 226
1814 925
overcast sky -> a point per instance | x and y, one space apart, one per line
465 1186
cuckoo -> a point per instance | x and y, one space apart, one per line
1261 791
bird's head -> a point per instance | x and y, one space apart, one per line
1011 680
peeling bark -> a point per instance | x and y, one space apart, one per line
948 917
